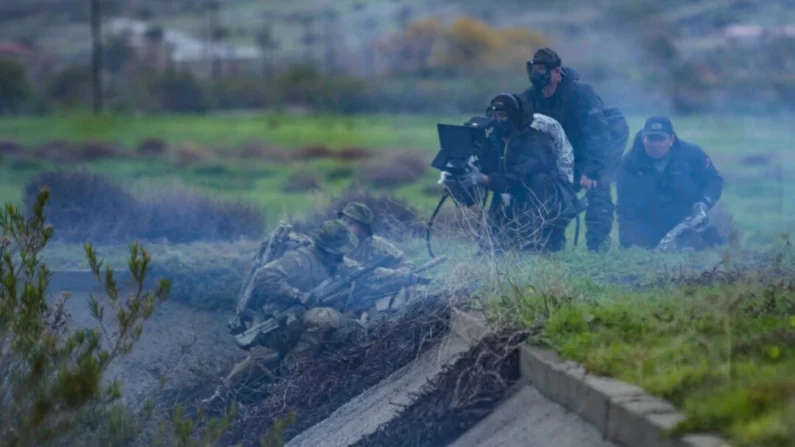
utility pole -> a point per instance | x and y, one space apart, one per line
215 37
96 59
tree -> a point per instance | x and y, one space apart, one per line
96 55
51 373
14 85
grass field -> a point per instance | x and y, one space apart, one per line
754 154
719 346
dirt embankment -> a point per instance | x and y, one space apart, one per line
181 346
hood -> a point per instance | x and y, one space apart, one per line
570 74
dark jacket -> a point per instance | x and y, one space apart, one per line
526 168
650 203
579 110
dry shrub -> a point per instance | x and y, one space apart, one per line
454 221
318 386
352 154
401 169
314 152
463 394
252 150
55 151
301 181
467 44
392 218
152 147
66 152
761 159
11 148
189 154
96 150
85 207
180 214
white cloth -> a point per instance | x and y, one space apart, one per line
565 152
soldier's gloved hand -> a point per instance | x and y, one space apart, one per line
473 178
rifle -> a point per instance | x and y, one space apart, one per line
692 222
366 303
326 291
267 252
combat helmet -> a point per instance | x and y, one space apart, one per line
333 237
360 213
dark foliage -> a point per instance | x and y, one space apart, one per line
89 207
189 155
352 154
313 152
401 169
393 218
152 147
460 397
11 148
85 207
181 215
253 150
319 387
95 150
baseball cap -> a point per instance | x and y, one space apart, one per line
658 125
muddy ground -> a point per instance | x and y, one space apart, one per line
180 348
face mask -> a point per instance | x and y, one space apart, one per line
505 128
540 80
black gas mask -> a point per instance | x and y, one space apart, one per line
539 80
511 111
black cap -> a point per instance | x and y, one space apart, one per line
659 125
547 57
506 102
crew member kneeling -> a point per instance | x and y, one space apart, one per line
532 202
662 181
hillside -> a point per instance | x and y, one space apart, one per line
62 26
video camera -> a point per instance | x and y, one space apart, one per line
461 147
461 144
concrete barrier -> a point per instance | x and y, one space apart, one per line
625 414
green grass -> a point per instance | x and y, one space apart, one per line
719 346
756 195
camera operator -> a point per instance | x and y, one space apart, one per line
533 198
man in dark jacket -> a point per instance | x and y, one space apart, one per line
662 181
557 92
532 201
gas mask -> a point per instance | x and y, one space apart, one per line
505 128
540 80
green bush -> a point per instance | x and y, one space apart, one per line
53 373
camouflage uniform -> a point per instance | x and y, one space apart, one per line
373 247
284 284
294 241
395 274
